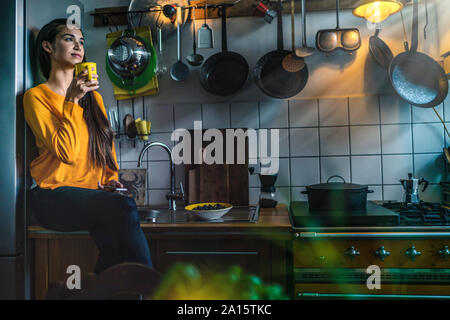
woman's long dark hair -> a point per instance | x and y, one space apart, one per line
101 134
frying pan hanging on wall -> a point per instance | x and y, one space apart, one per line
269 74
224 73
417 78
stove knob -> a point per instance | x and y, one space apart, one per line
382 253
444 253
413 253
352 252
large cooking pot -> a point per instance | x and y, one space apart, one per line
337 196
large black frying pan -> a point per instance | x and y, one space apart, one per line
417 78
380 51
224 73
269 74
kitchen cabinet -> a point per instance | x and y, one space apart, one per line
261 248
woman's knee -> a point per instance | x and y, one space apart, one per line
125 211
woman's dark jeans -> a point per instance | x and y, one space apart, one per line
111 218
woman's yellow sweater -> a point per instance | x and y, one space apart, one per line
62 139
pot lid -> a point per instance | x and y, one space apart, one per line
336 185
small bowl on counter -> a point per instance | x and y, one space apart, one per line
208 210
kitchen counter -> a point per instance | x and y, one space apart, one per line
270 220
262 248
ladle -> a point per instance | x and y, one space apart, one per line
194 59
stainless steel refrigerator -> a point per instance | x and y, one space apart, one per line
13 77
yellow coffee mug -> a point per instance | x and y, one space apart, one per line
90 66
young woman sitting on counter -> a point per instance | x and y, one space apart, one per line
77 160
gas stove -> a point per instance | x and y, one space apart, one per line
409 243
420 214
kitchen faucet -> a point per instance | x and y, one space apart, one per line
172 196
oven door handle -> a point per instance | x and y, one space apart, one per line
366 235
309 295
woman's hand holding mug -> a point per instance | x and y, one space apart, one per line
81 85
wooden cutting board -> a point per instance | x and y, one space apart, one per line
217 182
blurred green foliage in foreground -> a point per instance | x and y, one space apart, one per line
184 281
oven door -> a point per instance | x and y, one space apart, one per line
357 283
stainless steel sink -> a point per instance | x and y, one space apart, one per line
151 214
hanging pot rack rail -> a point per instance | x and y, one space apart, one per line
114 16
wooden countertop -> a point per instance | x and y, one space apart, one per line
270 220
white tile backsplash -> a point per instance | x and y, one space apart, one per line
309 153
393 192
364 110
304 171
161 118
158 175
377 193
216 115
186 114
366 169
365 140
428 137
273 114
427 114
304 142
283 179
334 141
244 115
396 167
331 166
430 167
333 112
396 138
158 197
394 110
303 113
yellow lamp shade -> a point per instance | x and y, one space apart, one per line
376 10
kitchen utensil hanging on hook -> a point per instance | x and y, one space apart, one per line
179 71
304 51
426 20
292 62
269 74
405 43
380 51
205 35
329 40
417 78
194 59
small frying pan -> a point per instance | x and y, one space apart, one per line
417 78
379 51
269 75
224 73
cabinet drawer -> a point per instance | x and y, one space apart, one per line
253 256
